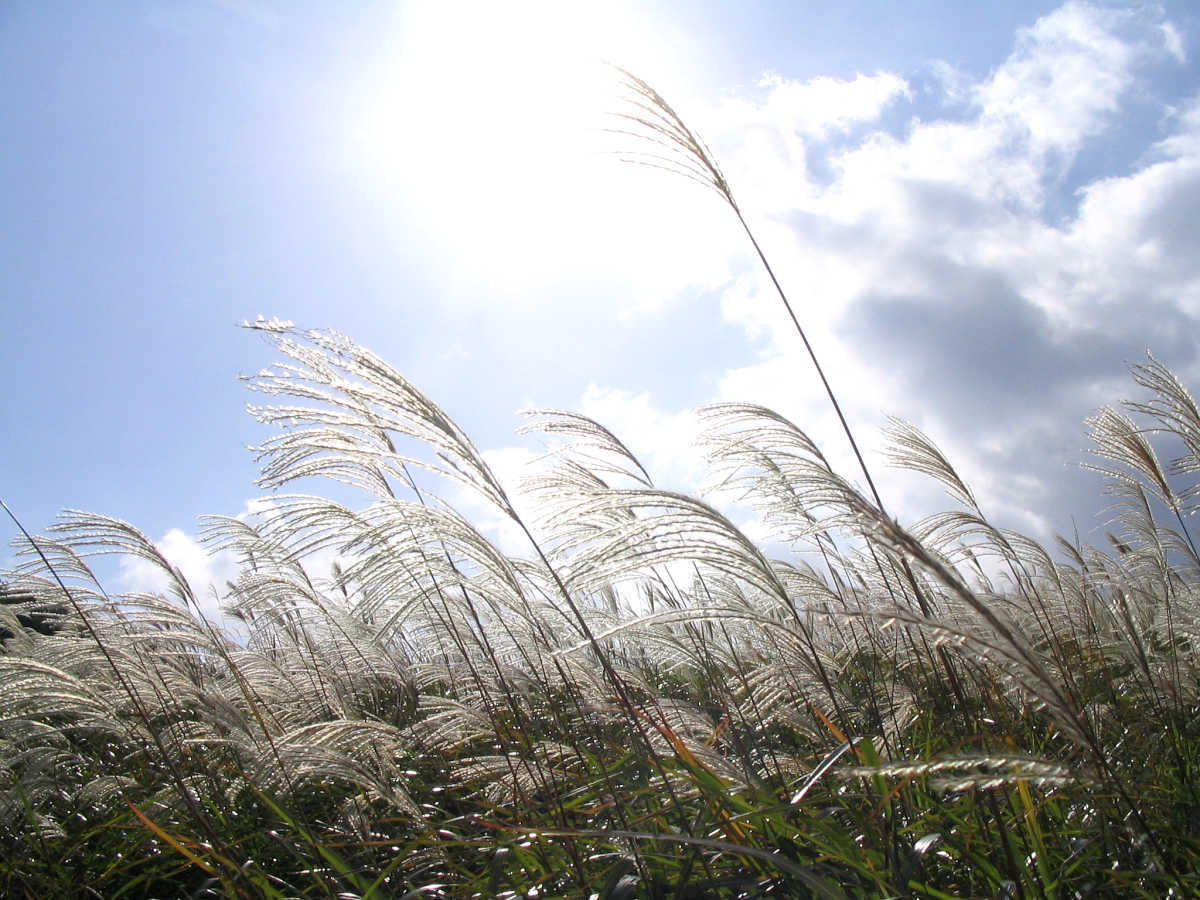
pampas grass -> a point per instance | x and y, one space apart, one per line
641 701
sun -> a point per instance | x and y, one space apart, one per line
486 121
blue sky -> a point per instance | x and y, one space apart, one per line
981 210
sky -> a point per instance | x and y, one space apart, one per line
982 213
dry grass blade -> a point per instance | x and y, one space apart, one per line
910 448
1172 405
355 401
1118 439
591 434
983 772
681 150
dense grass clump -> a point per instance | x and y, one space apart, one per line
639 702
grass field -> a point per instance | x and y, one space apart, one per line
640 702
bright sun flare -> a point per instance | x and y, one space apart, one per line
489 120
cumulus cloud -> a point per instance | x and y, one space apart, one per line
1063 80
205 573
935 270
510 465
662 441
208 573
1173 41
823 105
977 251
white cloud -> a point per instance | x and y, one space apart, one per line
510 465
1064 79
1185 140
931 278
1173 41
819 106
663 442
941 266
206 574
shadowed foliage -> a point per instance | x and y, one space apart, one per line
24 612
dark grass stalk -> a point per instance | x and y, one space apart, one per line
522 736
731 706
616 682
686 154
515 706
567 681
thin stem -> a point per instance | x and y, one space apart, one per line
837 407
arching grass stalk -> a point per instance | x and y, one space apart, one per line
683 152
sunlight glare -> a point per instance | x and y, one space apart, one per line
488 124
